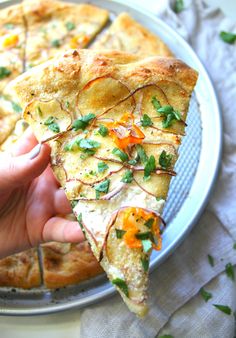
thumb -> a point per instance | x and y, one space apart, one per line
19 170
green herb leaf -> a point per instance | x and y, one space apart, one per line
121 154
56 43
70 26
67 104
146 121
4 72
145 263
16 107
179 6
223 308
205 295
120 233
72 144
165 336
102 187
229 269
141 154
103 130
150 166
82 122
156 103
121 285
165 160
211 260
144 235
102 166
228 37
127 177
147 245
149 223
9 25
79 219
52 124
73 203
86 143
132 162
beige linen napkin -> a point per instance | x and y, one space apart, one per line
176 306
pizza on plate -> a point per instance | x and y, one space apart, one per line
114 122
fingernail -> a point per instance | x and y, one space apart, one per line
35 151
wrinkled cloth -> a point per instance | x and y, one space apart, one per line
176 307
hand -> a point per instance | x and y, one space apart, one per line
30 200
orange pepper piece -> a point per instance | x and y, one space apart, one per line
10 41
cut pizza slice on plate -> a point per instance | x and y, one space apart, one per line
54 26
114 122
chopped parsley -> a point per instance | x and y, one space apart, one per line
73 203
141 154
165 160
229 269
127 177
168 112
149 223
205 294
120 233
144 235
147 245
145 263
56 43
121 154
86 143
16 107
87 146
146 121
102 166
52 124
120 283
132 162
70 26
211 260
103 130
102 187
178 6
82 122
4 72
149 167
228 37
223 308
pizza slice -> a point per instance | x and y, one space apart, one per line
53 26
114 122
126 34
67 264
21 270
12 43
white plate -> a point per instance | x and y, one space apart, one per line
197 169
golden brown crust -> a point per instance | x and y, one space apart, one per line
20 270
126 34
7 123
65 264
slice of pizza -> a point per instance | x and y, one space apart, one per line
21 270
126 34
53 26
12 43
114 122
67 264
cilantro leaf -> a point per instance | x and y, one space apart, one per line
70 26
146 121
165 160
103 130
168 112
16 107
145 263
141 154
205 295
149 167
82 122
223 308
4 72
228 37
156 103
86 143
56 43
149 223
52 124
120 233
144 235
102 166
120 283
121 154
147 245
178 6
127 177
229 269
102 187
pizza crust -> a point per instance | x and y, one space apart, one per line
66 264
21 270
127 35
